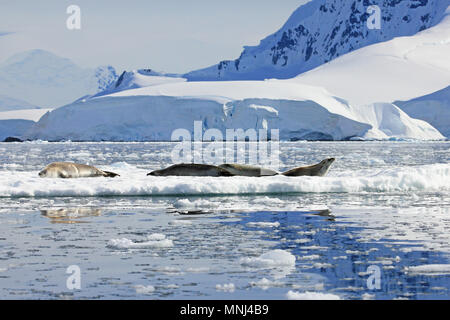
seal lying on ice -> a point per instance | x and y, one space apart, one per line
192 170
319 169
248 170
73 170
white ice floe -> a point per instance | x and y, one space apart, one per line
368 296
265 284
264 224
429 269
294 295
228 287
134 182
273 258
141 289
155 240
310 257
180 222
198 269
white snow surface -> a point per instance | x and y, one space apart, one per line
24 114
300 112
139 79
16 122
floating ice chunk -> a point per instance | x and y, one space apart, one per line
180 222
265 284
264 224
140 289
294 295
429 269
226 287
368 296
156 236
169 270
310 257
304 240
171 286
198 270
273 258
319 265
155 240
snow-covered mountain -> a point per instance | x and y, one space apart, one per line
434 108
400 69
9 104
321 31
47 80
300 112
410 72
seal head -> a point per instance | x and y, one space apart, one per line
319 170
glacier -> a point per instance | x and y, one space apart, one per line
299 111
14 128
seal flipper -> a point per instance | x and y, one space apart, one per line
109 174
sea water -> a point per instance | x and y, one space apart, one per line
376 227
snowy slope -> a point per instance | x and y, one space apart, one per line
139 79
321 31
8 104
24 114
47 80
433 108
153 113
400 69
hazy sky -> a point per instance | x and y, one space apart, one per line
165 35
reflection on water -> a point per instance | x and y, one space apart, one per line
336 250
195 254
70 215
